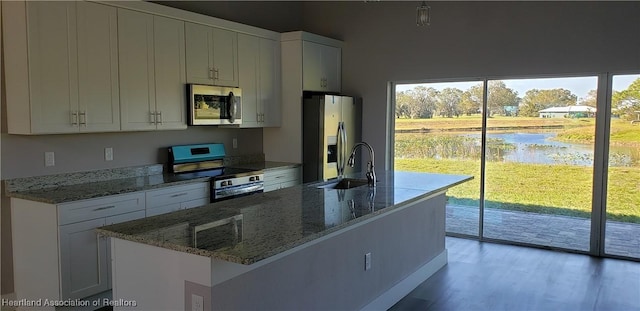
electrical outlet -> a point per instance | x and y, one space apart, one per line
367 261
235 143
49 158
197 303
108 154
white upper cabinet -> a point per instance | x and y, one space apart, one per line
321 67
152 67
98 97
270 82
170 73
259 72
61 67
84 66
212 55
248 60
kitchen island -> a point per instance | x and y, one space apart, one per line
304 247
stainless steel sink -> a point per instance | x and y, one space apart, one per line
345 183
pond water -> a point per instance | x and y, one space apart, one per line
537 147
523 147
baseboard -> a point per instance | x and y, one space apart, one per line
404 287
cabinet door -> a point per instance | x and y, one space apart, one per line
248 63
99 102
312 79
83 260
170 75
135 53
225 57
199 53
269 83
331 68
53 72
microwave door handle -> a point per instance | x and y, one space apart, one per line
231 107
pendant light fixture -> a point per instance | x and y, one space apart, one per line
423 14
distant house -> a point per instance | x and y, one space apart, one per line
568 112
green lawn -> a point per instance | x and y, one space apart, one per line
557 189
553 189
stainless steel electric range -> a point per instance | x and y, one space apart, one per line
207 160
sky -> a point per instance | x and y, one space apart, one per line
579 86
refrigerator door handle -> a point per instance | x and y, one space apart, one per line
340 142
344 144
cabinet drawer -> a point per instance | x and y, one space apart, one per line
163 209
282 175
98 208
177 194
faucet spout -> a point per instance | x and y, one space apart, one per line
371 173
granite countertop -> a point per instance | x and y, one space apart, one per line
81 186
91 190
248 229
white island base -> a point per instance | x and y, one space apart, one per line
407 246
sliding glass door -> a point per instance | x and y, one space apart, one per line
531 146
622 232
539 161
437 130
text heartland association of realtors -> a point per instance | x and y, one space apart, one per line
68 303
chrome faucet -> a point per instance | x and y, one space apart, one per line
371 174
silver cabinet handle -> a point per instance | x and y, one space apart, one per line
152 117
178 195
159 117
83 118
104 208
210 72
216 71
74 118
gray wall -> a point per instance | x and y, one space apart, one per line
471 39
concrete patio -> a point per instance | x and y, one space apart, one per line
621 238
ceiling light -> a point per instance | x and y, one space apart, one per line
423 16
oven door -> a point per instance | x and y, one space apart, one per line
214 105
230 192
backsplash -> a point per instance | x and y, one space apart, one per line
67 179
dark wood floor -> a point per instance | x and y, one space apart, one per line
487 276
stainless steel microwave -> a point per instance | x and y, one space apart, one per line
214 105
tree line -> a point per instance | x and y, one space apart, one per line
427 102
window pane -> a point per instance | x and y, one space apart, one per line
539 169
437 130
622 232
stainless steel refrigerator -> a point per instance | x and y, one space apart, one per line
331 126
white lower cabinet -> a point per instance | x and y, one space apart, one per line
57 253
175 198
84 267
275 179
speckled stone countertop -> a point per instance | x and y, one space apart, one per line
248 229
62 188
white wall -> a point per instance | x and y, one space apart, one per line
471 39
